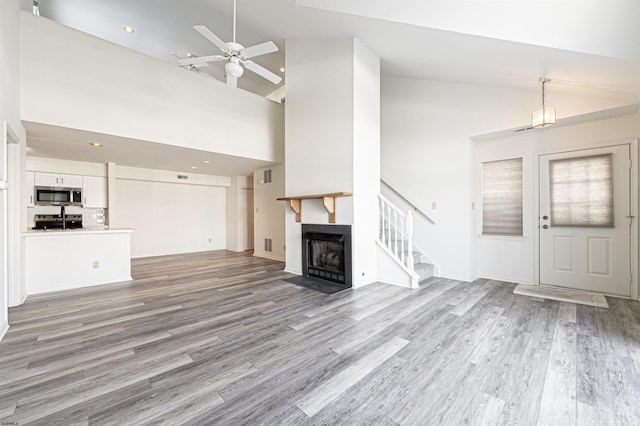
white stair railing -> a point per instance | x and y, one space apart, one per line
396 232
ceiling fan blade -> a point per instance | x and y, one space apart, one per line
211 37
262 72
260 49
200 60
232 82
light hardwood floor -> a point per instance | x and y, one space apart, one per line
219 338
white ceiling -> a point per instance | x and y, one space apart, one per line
587 47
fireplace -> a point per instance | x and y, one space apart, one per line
326 252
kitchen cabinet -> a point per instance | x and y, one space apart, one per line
58 180
94 192
29 189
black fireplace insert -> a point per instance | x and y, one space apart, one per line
326 252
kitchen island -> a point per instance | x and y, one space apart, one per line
72 258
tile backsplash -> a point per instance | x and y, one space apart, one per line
91 218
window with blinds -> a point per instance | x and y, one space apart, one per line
581 191
502 197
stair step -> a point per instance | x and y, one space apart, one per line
424 271
416 254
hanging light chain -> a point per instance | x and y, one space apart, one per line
543 81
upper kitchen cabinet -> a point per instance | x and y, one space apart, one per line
58 180
94 192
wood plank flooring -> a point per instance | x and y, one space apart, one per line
220 338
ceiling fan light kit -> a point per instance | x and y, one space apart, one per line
544 116
233 68
235 54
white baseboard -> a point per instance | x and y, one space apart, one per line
507 279
23 298
269 256
3 330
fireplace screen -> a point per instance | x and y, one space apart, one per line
326 260
326 252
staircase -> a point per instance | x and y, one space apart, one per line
395 239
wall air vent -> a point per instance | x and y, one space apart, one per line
524 129
268 244
183 177
267 176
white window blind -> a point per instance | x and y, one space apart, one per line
581 191
502 197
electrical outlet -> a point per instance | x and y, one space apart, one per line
96 264
209 239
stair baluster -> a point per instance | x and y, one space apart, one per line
409 228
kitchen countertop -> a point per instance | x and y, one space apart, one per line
81 231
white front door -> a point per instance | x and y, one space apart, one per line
585 228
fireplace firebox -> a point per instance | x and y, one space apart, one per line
326 252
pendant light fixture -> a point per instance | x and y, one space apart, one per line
544 116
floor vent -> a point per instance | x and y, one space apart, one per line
268 244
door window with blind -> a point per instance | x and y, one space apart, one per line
581 191
502 197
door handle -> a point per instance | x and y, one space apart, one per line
545 226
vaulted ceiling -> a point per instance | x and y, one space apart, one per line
587 47
584 46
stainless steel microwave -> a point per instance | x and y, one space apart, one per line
52 196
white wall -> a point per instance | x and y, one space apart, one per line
170 217
366 163
520 251
427 153
91 84
269 213
319 116
10 113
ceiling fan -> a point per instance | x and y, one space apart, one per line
235 54
189 65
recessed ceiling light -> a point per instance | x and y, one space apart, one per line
206 161
127 29
96 144
194 167
281 69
